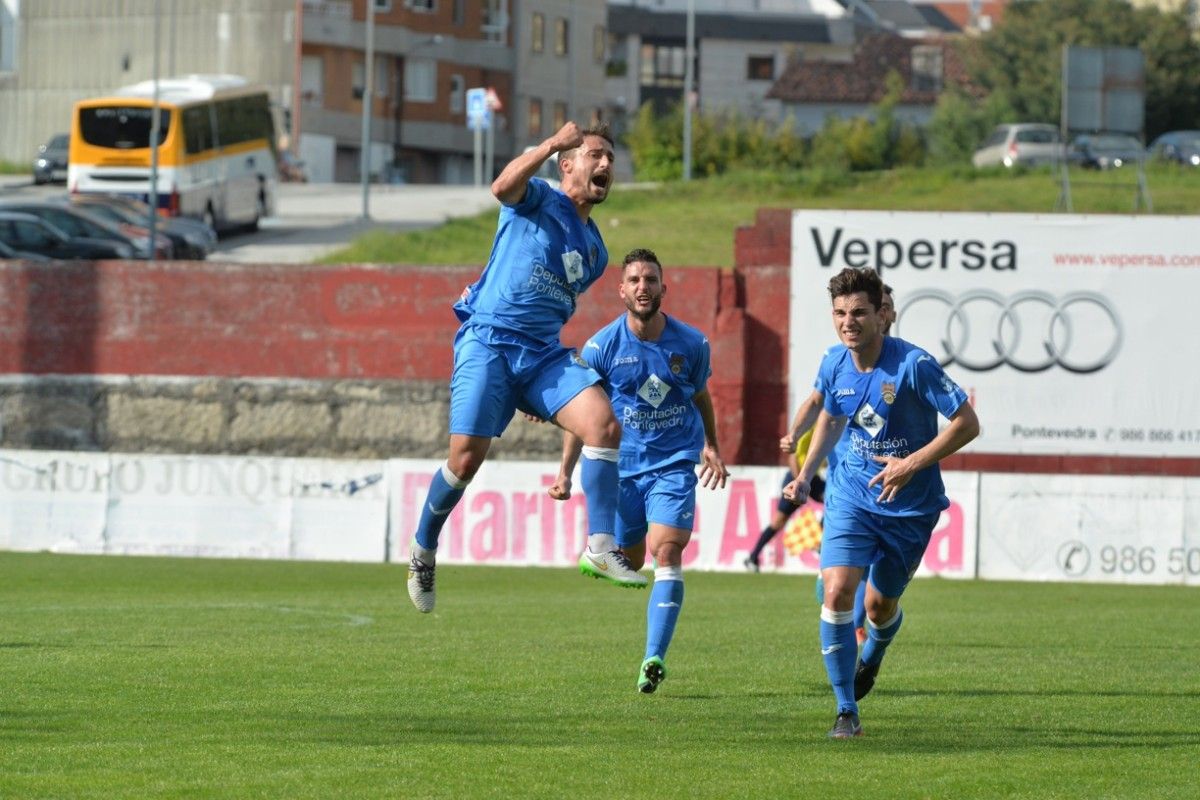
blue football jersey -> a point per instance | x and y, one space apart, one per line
542 258
651 385
893 411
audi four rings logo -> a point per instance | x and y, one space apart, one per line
1030 331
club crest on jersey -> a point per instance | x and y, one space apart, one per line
654 390
869 420
889 393
676 362
573 266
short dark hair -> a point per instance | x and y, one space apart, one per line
852 281
600 129
642 254
888 291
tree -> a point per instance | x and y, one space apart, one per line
1022 56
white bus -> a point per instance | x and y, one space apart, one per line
216 148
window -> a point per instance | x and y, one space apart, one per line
927 68
197 129
662 65
458 92
460 12
599 44
537 34
560 115
121 128
383 77
535 118
428 6
243 119
495 21
560 37
420 80
312 78
383 6
358 80
760 68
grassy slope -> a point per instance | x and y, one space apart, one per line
693 224
186 677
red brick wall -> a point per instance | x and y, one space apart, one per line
395 323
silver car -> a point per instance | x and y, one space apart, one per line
51 161
1029 144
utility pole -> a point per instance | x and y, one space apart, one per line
155 126
364 164
689 57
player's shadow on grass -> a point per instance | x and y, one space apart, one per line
1046 693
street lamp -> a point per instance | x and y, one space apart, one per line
364 164
689 56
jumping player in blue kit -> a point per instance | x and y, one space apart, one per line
886 494
507 354
656 370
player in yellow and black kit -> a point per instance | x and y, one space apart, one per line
785 508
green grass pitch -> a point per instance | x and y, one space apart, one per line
147 677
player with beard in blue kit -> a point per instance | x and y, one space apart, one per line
507 354
887 395
656 370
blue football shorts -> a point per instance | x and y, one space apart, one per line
497 372
664 496
891 546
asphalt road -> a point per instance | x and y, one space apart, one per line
314 219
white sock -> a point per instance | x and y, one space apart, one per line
601 542
424 556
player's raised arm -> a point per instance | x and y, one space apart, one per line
509 186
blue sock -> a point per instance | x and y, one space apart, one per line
599 477
879 638
445 490
860 604
666 598
841 654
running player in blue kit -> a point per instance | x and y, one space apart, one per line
507 354
656 370
885 497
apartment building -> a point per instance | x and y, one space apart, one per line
740 50
54 52
543 59
538 57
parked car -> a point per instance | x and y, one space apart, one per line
1028 144
28 233
50 164
190 238
7 252
1105 150
1182 147
77 224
